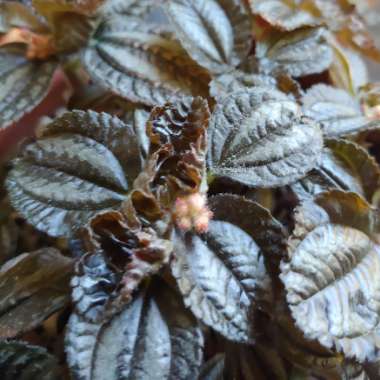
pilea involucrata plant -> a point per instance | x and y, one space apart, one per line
204 204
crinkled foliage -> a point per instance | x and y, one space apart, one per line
198 195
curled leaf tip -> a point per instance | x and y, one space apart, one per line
39 46
191 212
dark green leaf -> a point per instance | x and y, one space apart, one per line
81 165
23 85
32 287
138 63
221 273
337 111
298 53
332 276
216 33
258 137
21 361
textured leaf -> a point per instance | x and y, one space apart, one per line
258 137
332 277
123 8
308 355
153 338
216 33
132 248
345 166
32 287
234 81
142 65
298 53
337 111
19 360
284 15
221 274
82 164
23 85
92 286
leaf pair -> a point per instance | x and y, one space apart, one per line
154 337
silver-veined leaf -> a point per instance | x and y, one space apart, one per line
221 273
298 53
345 166
24 84
82 164
337 111
332 275
140 64
154 337
258 137
236 80
216 33
123 8
20 360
